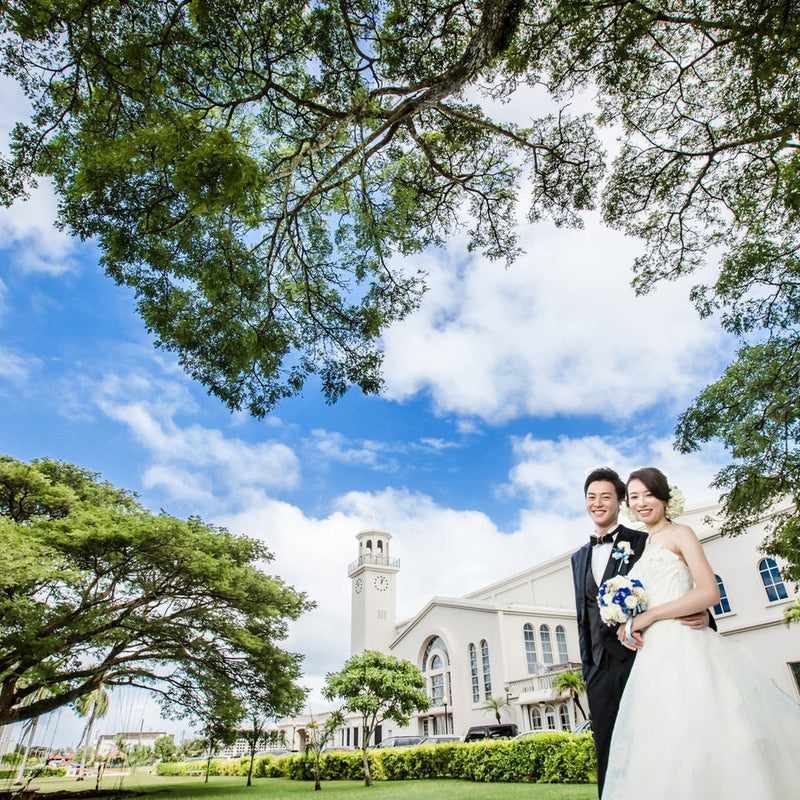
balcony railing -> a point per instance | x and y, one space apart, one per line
375 560
538 683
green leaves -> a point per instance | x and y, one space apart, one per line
253 170
105 592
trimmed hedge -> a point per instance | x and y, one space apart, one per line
543 758
39 772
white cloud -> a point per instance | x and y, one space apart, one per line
14 368
560 332
550 474
334 447
193 463
28 229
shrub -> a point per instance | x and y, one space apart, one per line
544 758
36 771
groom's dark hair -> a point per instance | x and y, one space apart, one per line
606 474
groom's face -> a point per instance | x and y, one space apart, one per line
602 504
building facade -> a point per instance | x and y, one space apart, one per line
509 641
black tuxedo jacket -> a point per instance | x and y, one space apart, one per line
588 614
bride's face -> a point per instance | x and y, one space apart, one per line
644 504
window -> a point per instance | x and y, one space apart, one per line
547 647
723 607
437 689
437 643
794 666
563 714
487 671
561 644
530 648
436 665
473 668
536 719
771 577
550 718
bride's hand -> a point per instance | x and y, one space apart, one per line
636 629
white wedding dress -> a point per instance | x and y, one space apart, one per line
697 720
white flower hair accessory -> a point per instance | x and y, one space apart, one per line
675 505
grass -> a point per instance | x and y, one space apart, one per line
153 787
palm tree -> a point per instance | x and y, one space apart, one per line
496 704
30 730
94 705
572 683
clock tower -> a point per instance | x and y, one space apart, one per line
373 591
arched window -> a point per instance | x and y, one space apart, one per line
550 718
380 546
547 647
436 667
561 644
724 606
473 668
530 647
771 576
369 545
563 716
437 643
487 670
536 718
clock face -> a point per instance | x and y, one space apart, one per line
359 585
381 583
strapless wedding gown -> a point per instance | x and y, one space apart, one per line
698 721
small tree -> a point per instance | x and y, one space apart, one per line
219 727
378 687
496 704
572 683
95 705
164 748
189 748
319 739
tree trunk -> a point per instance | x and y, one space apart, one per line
367 774
34 724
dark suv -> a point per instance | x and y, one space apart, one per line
490 732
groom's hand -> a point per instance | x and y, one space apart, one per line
696 622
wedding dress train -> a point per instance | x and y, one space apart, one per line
698 721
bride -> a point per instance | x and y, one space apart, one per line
697 720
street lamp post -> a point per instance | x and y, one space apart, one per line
446 725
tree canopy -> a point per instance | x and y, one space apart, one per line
258 172
97 591
378 687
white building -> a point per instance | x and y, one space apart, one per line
510 639
107 743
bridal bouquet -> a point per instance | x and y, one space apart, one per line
620 598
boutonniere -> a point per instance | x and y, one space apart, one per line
622 552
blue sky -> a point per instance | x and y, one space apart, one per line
502 392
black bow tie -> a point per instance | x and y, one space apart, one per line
607 539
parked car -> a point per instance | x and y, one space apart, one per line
584 727
400 741
440 739
477 732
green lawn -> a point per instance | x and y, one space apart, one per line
152 787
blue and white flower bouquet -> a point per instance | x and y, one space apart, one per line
620 598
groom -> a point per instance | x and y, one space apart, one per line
612 550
